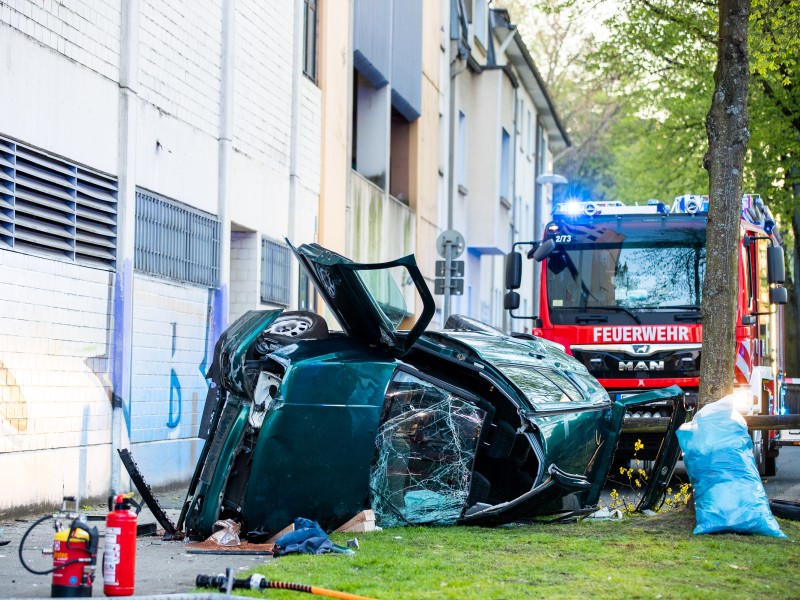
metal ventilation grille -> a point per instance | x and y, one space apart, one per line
176 242
274 272
6 194
55 208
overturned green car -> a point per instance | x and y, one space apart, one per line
466 425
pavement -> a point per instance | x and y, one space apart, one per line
162 567
166 567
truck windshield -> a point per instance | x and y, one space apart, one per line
632 272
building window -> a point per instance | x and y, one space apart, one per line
479 21
530 134
400 158
175 241
55 208
310 39
274 273
462 149
505 163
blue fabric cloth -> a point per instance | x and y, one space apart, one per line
718 454
307 538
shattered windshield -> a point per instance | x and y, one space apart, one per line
626 268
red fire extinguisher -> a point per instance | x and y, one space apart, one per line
74 553
119 557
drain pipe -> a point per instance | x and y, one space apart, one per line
222 293
294 141
122 307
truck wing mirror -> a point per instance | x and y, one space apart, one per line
544 250
778 295
511 301
748 320
513 270
776 270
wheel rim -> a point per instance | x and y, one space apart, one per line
758 447
290 326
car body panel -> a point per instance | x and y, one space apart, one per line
436 427
330 416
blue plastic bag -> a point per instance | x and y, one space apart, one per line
718 453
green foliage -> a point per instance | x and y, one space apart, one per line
638 557
653 69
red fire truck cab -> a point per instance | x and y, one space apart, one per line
620 288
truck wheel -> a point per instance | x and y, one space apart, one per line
785 509
770 456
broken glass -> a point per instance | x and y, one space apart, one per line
426 449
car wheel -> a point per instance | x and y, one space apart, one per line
298 325
785 509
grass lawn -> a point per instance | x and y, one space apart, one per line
639 557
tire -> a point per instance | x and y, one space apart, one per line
297 325
770 465
785 509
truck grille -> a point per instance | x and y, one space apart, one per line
605 364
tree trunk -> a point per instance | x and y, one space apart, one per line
727 127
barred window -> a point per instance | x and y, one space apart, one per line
175 241
274 272
56 208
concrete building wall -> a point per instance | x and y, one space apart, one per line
179 60
86 101
171 354
335 81
60 79
55 409
426 145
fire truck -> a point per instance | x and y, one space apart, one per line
620 289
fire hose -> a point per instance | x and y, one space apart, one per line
225 583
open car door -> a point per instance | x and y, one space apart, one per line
367 299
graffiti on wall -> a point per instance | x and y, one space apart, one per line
174 416
13 407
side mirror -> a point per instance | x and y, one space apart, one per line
776 270
748 320
544 250
511 301
513 270
778 295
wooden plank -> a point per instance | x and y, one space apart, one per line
361 523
